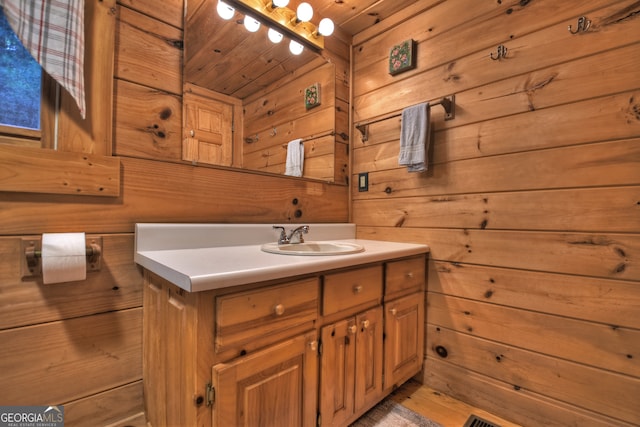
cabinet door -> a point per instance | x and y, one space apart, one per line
404 341
273 387
337 372
368 372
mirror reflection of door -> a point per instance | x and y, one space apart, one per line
208 130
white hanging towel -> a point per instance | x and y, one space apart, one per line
295 158
414 137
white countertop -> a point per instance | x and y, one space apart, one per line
200 257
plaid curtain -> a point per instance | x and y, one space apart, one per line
53 32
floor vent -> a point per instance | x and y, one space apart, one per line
476 421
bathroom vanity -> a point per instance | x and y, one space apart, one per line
234 335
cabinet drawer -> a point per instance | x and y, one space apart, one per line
405 276
351 288
247 316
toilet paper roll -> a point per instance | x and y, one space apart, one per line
64 257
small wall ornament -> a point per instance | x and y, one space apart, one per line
402 57
312 96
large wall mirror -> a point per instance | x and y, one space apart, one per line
247 98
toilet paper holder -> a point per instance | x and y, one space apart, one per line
32 249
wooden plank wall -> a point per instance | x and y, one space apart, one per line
80 344
531 203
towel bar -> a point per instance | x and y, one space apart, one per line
322 135
448 103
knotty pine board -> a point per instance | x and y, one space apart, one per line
605 301
104 350
574 209
589 254
437 78
503 398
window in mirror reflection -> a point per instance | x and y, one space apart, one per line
20 81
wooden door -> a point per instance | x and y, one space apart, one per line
404 342
208 130
273 387
337 372
368 367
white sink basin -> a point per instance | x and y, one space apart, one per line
313 248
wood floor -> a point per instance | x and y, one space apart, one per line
441 408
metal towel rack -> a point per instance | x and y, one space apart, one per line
448 103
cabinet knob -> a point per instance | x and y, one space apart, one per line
313 345
192 133
365 324
353 329
393 311
279 310
410 275
357 289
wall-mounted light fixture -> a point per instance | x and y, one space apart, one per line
281 21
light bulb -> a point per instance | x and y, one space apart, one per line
274 36
251 24
280 3
225 11
304 12
295 47
326 27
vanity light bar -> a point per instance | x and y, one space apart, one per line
284 19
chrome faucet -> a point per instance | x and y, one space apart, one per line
294 237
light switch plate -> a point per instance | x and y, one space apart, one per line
363 181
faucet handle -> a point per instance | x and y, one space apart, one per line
283 235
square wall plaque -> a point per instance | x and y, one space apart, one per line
402 57
312 96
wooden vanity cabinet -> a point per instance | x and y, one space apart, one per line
314 350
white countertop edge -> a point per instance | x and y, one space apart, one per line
201 269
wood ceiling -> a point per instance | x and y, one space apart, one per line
224 57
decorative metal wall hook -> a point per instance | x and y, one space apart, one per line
583 25
502 53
